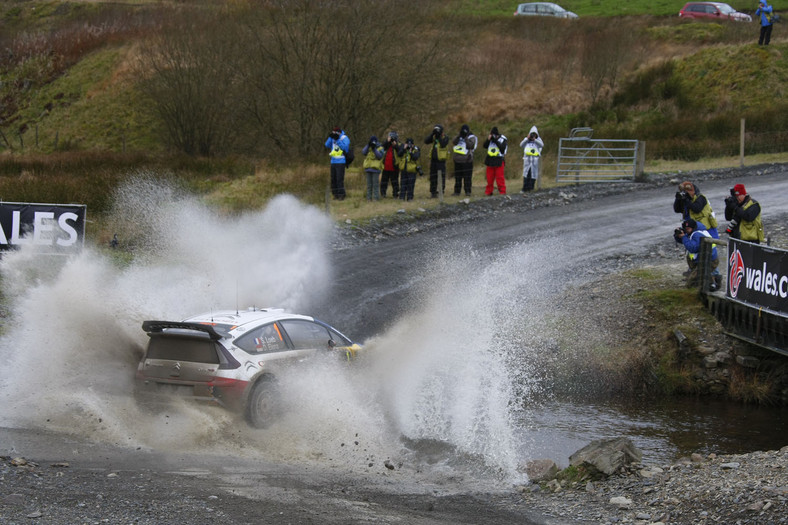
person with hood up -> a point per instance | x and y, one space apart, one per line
373 164
408 167
744 213
391 153
338 143
690 235
438 155
691 204
462 153
765 12
496 145
532 150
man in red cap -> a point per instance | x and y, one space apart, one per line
744 212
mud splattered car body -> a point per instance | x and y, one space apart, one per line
232 358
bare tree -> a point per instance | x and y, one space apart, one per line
191 85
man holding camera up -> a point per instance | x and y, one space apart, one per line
338 143
532 150
690 235
408 167
391 154
464 145
691 204
438 155
745 216
496 145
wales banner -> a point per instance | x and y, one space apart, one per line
55 228
758 275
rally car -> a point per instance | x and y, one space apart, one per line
232 358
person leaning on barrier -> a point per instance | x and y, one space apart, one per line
691 235
744 212
691 204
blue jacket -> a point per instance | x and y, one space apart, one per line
692 241
763 11
343 143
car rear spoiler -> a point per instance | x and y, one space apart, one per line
159 326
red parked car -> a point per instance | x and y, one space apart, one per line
713 10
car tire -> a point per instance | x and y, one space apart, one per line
264 404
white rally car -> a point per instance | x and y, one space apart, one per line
232 358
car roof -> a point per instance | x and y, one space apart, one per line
239 318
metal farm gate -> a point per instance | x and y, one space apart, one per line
583 159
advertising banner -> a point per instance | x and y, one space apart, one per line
758 275
51 227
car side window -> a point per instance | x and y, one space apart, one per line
263 340
306 334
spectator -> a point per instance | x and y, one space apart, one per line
339 143
391 154
464 145
744 213
765 11
532 150
691 204
438 155
373 164
496 145
409 166
690 235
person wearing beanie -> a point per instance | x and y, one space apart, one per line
392 150
532 150
373 165
690 235
765 12
462 153
691 204
496 145
338 144
438 155
744 212
408 167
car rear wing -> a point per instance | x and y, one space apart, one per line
159 326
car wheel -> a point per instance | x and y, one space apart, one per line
263 406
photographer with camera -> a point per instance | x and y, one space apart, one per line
438 155
765 14
464 145
496 145
744 213
391 156
690 235
532 150
338 143
409 166
691 204
373 165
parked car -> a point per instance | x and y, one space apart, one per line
543 9
713 10
232 358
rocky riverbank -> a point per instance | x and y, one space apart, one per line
732 489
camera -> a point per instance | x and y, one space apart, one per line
678 233
419 171
533 136
731 227
334 135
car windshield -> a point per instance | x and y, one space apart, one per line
726 9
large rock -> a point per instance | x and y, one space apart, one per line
540 470
607 455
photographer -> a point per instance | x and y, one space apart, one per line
464 145
496 145
691 204
391 154
373 165
532 150
745 216
409 166
338 143
438 155
690 235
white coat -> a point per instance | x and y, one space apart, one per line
531 160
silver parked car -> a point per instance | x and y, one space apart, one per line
543 9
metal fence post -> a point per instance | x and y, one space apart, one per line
741 144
